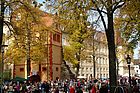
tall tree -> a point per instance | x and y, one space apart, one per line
6 7
23 23
108 8
78 29
27 31
5 13
72 20
31 32
127 22
105 10
1 20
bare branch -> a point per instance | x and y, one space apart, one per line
117 5
104 3
8 24
98 19
22 3
100 13
16 1
100 10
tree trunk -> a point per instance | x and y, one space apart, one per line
1 21
77 68
78 64
112 54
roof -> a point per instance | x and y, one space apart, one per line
136 61
100 36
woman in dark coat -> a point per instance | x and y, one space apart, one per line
104 88
79 90
56 90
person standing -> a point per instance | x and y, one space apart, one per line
56 90
104 88
93 90
79 90
72 89
65 87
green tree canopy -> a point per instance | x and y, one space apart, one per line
27 26
128 23
76 9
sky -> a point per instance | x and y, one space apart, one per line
40 0
136 53
42 7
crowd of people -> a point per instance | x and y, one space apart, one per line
132 86
69 86
58 86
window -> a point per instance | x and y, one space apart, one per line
103 61
56 68
90 69
106 69
56 37
97 69
104 75
98 75
100 69
44 69
21 69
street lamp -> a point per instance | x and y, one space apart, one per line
128 59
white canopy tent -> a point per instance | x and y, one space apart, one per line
81 77
126 75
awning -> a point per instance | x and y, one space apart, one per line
126 75
19 79
81 77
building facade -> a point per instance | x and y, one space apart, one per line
97 52
123 67
50 67
137 66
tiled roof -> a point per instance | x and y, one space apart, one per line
136 61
